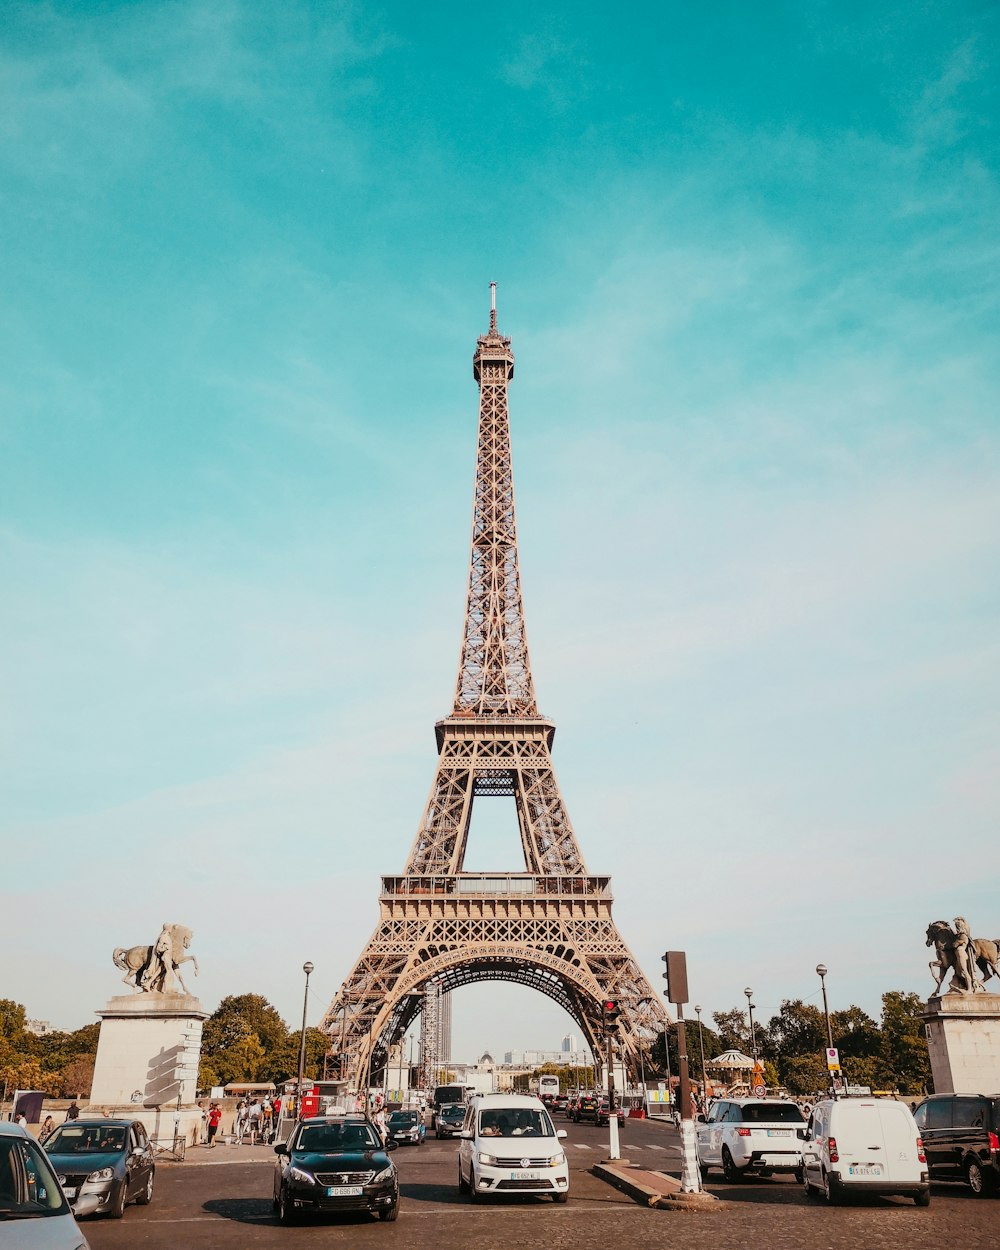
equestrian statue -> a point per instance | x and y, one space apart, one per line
964 956
154 969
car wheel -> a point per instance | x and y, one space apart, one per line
286 1212
923 1199
463 1185
799 1175
474 1193
831 1190
388 1214
976 1177
560 1197
146 1197
121 1201
729 1169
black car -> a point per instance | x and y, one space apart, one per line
586 1108
560 1103
335 1165
111 1160
961 1136
406 1127
450 1120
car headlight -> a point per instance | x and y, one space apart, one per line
102 1174
489 1160
384 1175
297 1174
557 1159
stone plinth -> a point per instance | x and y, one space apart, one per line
147 1060
963 1038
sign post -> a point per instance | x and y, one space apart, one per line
611 1013
677 993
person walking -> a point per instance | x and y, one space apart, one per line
74 1111
214 1120
47 1129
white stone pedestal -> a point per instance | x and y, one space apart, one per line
963 1038
147 1062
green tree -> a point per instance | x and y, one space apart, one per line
282 1063
904 1045
733 1028
797 1029
804 1074
855 1033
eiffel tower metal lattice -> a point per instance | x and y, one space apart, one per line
548 927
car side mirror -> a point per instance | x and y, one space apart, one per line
467 1133
703 1119
391 1144
805 1134
561 1133
281 1148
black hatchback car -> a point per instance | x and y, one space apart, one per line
110 1160
335 1165
450 1120
961 1136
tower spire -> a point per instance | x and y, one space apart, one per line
493 308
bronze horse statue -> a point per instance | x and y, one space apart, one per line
985 953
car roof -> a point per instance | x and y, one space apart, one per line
325 1119
508 1100
100 1121
9 1128
778 1102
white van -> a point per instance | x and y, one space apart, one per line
508 1144
864 1145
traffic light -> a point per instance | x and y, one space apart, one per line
611 1012
676 976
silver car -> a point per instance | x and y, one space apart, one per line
34 1213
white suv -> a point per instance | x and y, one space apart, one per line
508 1145
744 1135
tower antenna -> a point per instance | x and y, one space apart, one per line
493 306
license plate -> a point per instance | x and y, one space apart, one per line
525 1176
69 1191
345 1191
865 1169
779 1132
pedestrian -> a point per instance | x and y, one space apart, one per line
47 1129
380 1123
214 1120
22 1120
265 1121
253 1118
74 1111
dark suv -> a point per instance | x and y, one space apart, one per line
960 1136
335 1165
586 1108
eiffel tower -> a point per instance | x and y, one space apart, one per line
548 927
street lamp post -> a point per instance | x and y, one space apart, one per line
821 971
753 1032
307 968
701 1044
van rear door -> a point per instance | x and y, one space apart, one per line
857 1128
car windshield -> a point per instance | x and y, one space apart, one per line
86 1139
402 1119
336 1137
453 1112
28 1187
515 1122
772 1113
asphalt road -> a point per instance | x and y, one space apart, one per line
219 1202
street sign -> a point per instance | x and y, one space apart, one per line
832 1059
859 1091
759 1091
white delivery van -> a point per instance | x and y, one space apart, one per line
864 1145
510 1145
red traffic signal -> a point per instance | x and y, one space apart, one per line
611 1014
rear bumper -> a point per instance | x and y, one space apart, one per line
886 1188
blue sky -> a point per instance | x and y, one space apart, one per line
749 261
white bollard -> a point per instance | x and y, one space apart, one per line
615 1151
